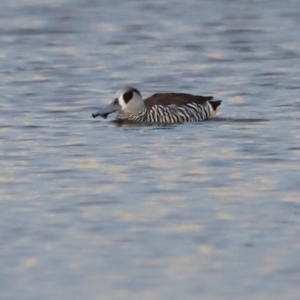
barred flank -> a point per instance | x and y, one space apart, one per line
192 112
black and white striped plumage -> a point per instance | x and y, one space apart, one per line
165 108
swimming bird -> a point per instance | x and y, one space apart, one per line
165 108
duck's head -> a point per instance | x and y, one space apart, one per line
128 100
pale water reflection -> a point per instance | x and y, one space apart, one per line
92 210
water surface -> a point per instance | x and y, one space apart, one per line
90 210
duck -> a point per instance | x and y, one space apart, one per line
166 108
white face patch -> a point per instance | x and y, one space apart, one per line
120 96
121 101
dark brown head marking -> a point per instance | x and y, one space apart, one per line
128 96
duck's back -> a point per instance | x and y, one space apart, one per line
178 99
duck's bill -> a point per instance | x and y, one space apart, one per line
105 111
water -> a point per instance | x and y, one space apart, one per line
90 210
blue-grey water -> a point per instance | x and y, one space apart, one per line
90 210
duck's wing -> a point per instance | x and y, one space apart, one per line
178 99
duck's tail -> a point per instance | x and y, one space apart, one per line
214 105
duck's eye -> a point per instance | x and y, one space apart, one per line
115 102
127 96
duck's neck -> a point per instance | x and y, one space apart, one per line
132 116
